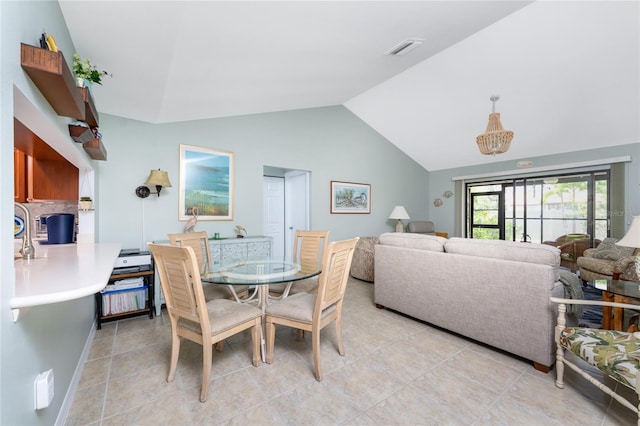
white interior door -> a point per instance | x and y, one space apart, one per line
274 216
296 201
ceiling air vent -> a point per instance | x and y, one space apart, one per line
404 46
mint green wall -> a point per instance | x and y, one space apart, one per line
50 336
330 142
440 181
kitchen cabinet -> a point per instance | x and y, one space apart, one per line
51 180
43 179
41 173
19 176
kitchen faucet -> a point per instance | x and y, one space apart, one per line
27 250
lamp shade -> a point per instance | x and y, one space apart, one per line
495 140
399 212
632 237
158 178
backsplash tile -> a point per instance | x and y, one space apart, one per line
44 208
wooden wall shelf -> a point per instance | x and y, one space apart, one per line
95 149
81 134
90 113
50 72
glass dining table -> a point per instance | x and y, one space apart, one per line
258 273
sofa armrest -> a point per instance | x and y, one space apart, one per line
589 252
625 268
621 264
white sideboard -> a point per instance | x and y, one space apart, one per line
222 251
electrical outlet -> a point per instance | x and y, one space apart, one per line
43 389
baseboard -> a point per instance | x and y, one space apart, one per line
73 386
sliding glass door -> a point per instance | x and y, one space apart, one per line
542 208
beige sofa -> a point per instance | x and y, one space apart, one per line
495 292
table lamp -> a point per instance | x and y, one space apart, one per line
632 239
399 213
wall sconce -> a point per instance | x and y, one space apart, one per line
158 178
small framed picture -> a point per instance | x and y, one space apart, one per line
350 198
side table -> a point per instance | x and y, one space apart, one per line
616 291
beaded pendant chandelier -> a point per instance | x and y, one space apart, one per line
495 140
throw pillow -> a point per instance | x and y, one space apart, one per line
608 249
574 237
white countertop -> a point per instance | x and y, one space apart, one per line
62 272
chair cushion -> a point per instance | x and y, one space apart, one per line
215 291
608 249
298 307
223 314
615 353
308 285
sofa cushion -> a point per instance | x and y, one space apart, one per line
507 250
415 241
608 249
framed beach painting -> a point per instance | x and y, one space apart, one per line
206 184
350 197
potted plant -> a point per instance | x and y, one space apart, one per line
85 204
85 71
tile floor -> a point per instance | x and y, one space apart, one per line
396 371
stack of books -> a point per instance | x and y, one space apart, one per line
124 296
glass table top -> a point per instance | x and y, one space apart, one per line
258 270
622 288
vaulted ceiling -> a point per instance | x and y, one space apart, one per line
186 60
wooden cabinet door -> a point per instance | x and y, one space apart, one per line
52 180
19 176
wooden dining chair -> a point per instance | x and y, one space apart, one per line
192 318
308 249
312 312
199 242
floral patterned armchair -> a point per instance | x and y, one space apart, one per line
607 261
